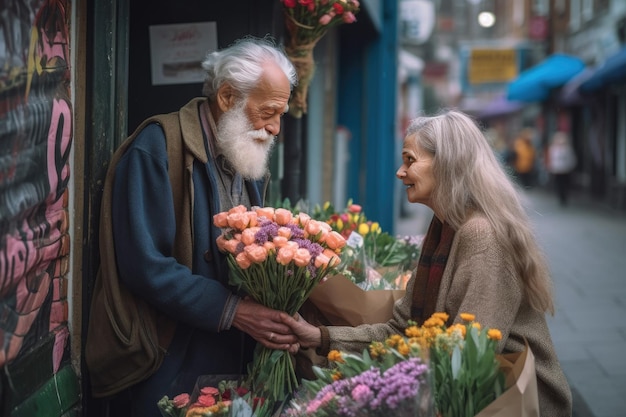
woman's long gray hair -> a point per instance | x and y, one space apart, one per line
241 65
469 177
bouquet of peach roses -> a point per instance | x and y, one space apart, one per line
277 258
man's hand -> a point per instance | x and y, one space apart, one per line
265 325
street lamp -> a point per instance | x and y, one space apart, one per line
486 19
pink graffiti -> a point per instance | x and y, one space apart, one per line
35 246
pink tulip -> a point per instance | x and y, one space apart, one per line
270 246
354 208
292 244
221 243
252 218
348 17
302 257
325 19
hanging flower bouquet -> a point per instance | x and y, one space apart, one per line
277 258
307 21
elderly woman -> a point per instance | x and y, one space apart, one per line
479 254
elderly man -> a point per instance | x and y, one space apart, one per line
227 137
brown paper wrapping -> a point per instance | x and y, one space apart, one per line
521 397
340 302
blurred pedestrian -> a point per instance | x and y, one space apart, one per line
561 162
524 163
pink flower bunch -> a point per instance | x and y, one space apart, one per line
311 18
253 236
277 258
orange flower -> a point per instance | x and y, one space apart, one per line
302 257
467 317
256 253
494 334
302 219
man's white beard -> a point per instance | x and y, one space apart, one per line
246 149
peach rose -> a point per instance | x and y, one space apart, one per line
270 246
280 241
238 209
256 253
284 232
321 261
302 257
285 255
335 241
292 244
282 216
248 236
302 219
313 228
243 261
221 220
267 212
237 221
232 246
252 218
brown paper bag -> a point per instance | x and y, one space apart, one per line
521 397
343 303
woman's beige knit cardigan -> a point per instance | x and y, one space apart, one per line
480 279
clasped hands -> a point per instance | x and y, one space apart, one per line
275 329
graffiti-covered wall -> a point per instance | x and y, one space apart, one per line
35 141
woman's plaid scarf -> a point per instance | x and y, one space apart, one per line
430 267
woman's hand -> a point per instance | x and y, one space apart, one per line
267 326
307 334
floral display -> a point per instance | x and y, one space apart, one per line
277 258
228 398
372 259
307 21
448 370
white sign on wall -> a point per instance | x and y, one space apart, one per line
177 51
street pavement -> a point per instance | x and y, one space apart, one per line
585 244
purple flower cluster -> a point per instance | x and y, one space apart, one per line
372 392
267 231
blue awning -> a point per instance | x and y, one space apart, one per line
535 83
570 93
611 72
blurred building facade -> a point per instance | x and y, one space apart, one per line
480 50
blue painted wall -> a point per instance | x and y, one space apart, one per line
367 107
